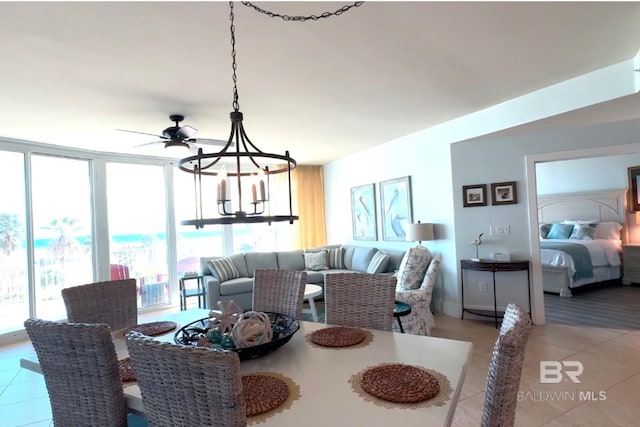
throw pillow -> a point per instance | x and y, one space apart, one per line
608 230
336 258
560 231
583 231
378 263
223 269
315 261
544 230
413 267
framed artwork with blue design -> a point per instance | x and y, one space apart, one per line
363 212
396 209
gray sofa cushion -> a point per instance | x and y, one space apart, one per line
240 264
291 260
361 259
260 260
315 277
236 286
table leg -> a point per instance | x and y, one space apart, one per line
312 307
400 325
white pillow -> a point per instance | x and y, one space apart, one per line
608 231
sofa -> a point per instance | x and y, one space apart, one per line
231 278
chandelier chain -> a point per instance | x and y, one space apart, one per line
234 65
340 11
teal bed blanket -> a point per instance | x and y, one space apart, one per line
580 255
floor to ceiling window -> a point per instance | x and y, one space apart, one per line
137 211
70 217
14 279
192 244
62 230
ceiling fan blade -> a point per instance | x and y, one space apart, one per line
149 143
141 133
186 131
214 142
193 147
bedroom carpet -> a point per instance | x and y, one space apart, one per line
615 307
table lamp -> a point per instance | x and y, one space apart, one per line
419 232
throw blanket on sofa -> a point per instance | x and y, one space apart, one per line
580 255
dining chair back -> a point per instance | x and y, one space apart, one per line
505 369
279 291
113 302
187 386
360 300
80 369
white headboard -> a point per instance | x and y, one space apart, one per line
599 205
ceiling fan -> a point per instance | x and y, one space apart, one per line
179 136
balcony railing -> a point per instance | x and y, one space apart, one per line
53 273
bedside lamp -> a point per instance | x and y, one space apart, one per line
419 232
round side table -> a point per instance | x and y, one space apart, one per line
310 292
401 309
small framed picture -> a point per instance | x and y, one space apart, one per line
474 195
634 188
504 193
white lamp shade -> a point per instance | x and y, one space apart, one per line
419 232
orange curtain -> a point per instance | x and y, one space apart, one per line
307 183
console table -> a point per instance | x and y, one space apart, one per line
494 267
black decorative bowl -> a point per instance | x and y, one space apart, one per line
283 329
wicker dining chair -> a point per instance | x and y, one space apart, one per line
279 291
113 302
80 369
187 386
505 369
360 300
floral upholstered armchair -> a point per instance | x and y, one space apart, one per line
420 320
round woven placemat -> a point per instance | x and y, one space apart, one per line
153 328
399 383
127 373
393 385
337 336
263 393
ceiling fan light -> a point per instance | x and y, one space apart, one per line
176 144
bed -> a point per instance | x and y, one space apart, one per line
581 236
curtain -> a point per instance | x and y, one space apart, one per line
308 194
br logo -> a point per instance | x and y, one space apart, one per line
553 371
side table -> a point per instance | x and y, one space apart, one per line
310 292
401 309
199 291
494 267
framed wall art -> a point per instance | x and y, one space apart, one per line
363 212
504 193
474 195
634 188
396 209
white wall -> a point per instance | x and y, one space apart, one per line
438 170
580 175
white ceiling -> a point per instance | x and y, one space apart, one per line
73 72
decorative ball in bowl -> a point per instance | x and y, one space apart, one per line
250 340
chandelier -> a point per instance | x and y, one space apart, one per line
241 177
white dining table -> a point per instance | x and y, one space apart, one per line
323 375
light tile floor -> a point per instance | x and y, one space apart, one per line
611 361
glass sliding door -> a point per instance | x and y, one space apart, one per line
14 277
62 230
137 215
192 244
